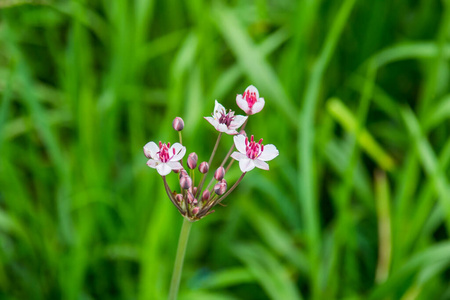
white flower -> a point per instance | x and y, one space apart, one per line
225 122
250 101
252 154
164 158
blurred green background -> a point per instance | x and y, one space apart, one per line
357 205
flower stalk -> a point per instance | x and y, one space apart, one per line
179 259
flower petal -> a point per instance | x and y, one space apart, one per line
152 163
212 121
163 169
242 103
150 149
246 164
252 89
222 127
218 110
231 132
261 164
258 106
238 156
269 153
175 165
180 151
238 121
239 142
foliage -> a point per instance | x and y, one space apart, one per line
357 205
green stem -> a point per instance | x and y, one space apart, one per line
178 267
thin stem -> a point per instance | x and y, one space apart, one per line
200 186
179 260
170 195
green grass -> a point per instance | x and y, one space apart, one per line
357 205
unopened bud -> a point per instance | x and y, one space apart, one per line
221 187
191 199
195 210
179 197
192 160
203 167
219 174
194 190
205 195
183 173
178 124
185 182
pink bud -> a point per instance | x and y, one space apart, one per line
194 190
203 167
185 182
178 124
192 160
219 174
205 195
195 210
183 173
220 187
179 197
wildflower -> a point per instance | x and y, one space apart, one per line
164 158
225 122
252 154
250 101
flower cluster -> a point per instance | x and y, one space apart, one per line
194 201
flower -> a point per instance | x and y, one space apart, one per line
252 154
225 122
250 101
164 158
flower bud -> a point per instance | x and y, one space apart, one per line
191 199
219 174
183 173
205 195
178 124
192 160
195 210
194 190
203 167
221 187
185 182
179 197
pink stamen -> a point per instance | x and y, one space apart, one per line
164 152
226 118
250 98
253 150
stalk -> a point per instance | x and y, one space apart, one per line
179 260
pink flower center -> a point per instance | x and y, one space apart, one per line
253 150
250 97
226 118
164 155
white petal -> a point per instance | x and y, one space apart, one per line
212 121
152 163
180 151
238 121
239 142
163 169
261 164
231 132
242 103
222 127
258 106
246 165
252 89
238 156
150 149
175 165
269 153
218 110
